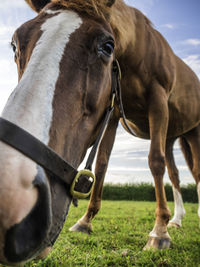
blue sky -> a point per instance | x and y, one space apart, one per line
177 20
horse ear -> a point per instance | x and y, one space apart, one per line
37 5
110 2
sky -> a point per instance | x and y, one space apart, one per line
179 23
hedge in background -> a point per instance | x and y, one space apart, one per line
145 192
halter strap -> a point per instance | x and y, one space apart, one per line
80 186
30 146
34 149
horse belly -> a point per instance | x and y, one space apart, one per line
182 120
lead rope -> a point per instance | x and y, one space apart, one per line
99 138
118 92
115 91
109 113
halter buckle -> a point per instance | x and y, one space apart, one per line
78 194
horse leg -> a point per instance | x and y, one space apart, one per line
191 147
84 224
179 210
158 123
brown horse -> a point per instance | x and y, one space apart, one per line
64 58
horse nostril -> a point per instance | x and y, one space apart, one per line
24 240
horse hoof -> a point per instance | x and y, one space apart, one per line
157 243
82 228
173 224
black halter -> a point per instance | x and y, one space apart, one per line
82 184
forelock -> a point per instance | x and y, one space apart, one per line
92 8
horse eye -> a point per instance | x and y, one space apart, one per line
13 47
107 48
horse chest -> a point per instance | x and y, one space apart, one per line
134 97
135 108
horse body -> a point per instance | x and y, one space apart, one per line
149 60
157 89
64 58
155 76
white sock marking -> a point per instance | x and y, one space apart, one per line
30 104
198 193
179 210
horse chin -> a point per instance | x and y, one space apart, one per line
28 238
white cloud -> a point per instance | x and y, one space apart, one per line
6 33
12 4
8 67
193 42
8 74
12 14
4 30
169 26
194 62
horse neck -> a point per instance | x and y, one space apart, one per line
131 29
123 21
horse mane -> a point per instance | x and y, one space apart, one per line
92 8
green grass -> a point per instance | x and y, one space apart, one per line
120 232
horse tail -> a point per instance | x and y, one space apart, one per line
185 147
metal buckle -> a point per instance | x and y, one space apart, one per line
77 194
113 100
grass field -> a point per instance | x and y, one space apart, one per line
120 233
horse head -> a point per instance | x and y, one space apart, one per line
64 58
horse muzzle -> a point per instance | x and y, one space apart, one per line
28 237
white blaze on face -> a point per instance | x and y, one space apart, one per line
179 210
30 105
